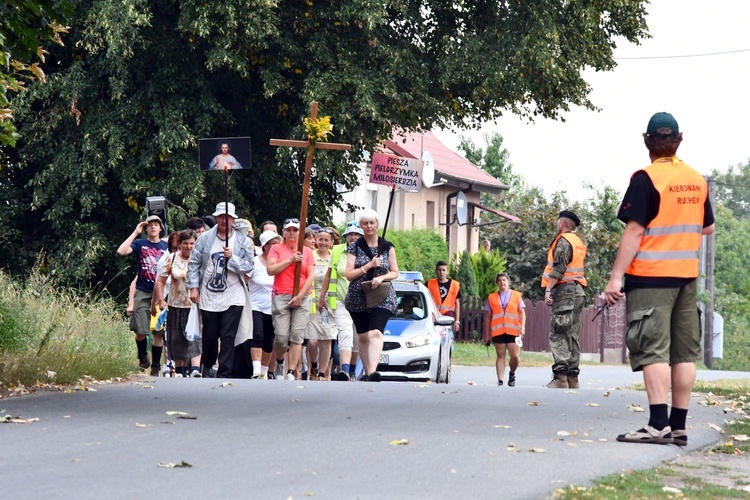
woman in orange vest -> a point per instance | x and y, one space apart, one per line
504 326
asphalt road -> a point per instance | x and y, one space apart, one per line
281 440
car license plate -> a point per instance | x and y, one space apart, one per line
383 359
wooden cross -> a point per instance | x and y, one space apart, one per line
311 147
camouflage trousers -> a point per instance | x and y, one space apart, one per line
563 334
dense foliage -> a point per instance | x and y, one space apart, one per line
140 81
418 250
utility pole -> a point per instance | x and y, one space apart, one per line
708 330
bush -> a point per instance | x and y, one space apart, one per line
486 266
418 250
51 336
466 276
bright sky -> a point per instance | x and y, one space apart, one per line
708 95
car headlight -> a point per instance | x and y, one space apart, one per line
419 340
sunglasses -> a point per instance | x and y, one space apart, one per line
326 230
291 221
352 224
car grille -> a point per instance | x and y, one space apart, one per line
389 346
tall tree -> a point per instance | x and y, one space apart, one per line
27 28
733 189
142 80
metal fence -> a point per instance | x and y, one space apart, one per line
603 335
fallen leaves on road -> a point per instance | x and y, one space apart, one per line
715 427
181 415
7 419
172 465
592 404
512 448
567 433
399 442
143 425
606 394
422 386
635 407
471 382
501 426
226 384
535 403
740 437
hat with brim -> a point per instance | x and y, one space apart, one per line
225 209
353 227
155 218
290 224
570 215
267 236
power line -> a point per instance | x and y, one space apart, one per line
707 54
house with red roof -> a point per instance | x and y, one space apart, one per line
448 200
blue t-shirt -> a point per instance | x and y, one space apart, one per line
148 255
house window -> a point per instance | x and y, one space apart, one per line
374 199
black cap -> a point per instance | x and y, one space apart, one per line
570 215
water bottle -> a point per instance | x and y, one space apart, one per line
324 316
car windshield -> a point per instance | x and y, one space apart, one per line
410 305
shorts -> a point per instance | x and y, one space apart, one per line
316 330
344 325
372 319
505 338
263 333
663 325
289 324
140 320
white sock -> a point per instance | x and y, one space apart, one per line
256 366
263 370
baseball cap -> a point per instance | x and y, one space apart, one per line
291 223
314 228
570 215
353 227
225 208
662 120
267 236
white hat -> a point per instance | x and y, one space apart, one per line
291 223
221 209
267 236
353 227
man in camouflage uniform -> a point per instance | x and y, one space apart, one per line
563 281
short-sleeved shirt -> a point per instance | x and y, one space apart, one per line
641 204
260 287
283 283
444 287
148 255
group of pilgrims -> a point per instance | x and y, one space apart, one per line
224 306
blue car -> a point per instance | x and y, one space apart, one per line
417 342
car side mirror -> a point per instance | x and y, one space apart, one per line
445 320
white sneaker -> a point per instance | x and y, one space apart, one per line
196 374
290 376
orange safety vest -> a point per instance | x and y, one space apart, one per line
574 271
671 243
508 320
448 306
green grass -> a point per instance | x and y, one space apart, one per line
476 354
49 336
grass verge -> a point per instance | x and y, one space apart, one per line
476 354
722 471
52 337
